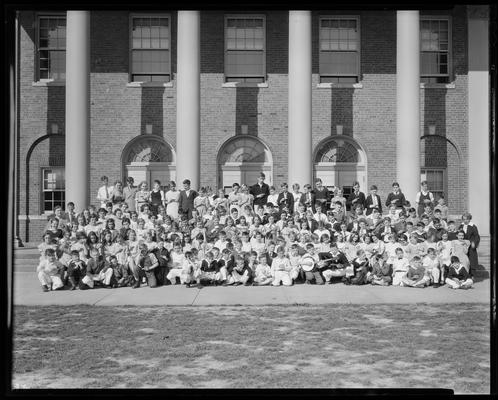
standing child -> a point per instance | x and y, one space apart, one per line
156 197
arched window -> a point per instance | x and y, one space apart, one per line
337 151
241 159
149 150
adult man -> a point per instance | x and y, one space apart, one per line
187 196
260 192
104 192
129 192
285 200
355 198
373 201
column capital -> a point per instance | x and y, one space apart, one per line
478 12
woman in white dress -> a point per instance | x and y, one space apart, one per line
245 198
297 195
172 197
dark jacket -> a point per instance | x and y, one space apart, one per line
256 190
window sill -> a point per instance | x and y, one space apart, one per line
339 85
49 83
244 84
149 84
437 86
34 217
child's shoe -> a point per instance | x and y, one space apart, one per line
45 288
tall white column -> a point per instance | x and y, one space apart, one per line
408 103
77 107
478 128
300 152
188 123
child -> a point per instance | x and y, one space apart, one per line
444 254
120 273
221 243
97 270
49 271
281 269
156 197
176 264
262 274
48 243
360 270
333 264
240 274
209 271
399 267
416 275
147 264
458 276
381 271
191 271
442 207
76 270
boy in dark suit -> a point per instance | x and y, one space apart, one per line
471 233
355 198
285 200
260 191
308 198
373 201
186 202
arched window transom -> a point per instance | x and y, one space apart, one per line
243 150
149 151
337 151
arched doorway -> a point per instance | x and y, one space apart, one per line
339 161
241 159
147 158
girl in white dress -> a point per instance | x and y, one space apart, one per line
172 197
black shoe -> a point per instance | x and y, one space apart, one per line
248 284
200 286
45 288
436 285
136 285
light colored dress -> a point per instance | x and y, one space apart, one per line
460 249
172 199
201 204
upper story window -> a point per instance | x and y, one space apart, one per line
51 48
245 47
434 50
339 49
150 47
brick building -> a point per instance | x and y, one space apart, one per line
368 95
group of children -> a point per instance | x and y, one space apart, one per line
113 247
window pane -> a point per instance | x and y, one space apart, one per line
338 63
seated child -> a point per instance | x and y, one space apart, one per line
282 270
48 243
294 259
76 270
147 264
416 276
97 270
310 260
120 273
49 271
381 273
209 270
399 267
176 264
433 267
360 270
458 276
333 264
262 274
191 270
240 273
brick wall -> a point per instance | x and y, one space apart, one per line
120 113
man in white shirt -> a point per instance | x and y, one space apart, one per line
104 192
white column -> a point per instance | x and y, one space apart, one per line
478 129
77 108
300 151
188 99
408 103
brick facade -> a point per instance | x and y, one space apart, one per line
120 112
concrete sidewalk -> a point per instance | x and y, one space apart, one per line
27 291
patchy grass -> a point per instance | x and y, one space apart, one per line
344 346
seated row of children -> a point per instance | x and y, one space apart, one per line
227 255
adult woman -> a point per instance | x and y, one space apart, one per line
172 197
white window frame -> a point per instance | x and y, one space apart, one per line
449 51
38 16
130 50
225 50
44 190
320 51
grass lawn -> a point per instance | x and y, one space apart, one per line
344 346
